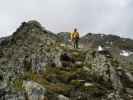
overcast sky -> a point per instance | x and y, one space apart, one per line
99 16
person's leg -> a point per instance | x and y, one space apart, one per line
76 43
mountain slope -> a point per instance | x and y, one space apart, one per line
94 40
30 48
34 65
120 48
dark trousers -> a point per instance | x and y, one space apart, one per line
76 44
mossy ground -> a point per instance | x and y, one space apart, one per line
62 80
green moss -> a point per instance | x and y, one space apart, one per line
88 89
46 80
115 63
61 75
18 85
76 83
93 90
28 75
89 66
82 74
59 88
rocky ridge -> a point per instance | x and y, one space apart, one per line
36 65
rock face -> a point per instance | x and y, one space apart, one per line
109 72
34 90
102 67
35 64
30 48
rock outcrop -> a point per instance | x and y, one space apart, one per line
34 91
35 64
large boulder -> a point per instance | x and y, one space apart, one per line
14 96
108 72
67 60
62 97
101 66
34 90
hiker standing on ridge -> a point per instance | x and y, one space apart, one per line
75 38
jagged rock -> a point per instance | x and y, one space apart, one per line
62 97
129 76
67 60
34 90
36 54
106 53
16 96
129 91
102 67
114 96
105 69
78 63
88 84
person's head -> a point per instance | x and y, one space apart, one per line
75 30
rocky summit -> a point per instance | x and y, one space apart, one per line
36 64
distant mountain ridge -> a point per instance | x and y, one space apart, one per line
115 41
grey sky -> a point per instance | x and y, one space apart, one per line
99 16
